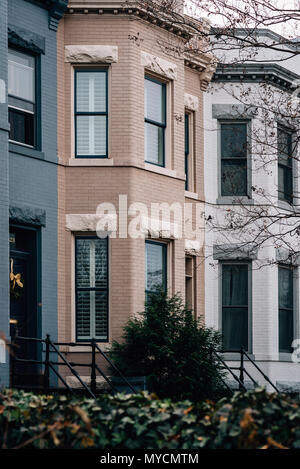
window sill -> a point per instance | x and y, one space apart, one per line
285 357
26 151
235 200
91 162
285 205
160 170
235 356
104 346
191 195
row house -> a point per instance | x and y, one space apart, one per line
28 177
252 200
130 139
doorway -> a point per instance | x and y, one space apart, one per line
24 301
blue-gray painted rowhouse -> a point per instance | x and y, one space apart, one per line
28 174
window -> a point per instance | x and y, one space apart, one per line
156 267
286 308
234 159
155 121
91 113
21 97
91 288
285 164
235 306
190 286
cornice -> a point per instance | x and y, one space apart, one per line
56 9
239 33
273 74
199 62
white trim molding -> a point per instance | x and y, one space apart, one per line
193 247
88 221
158 65
91 54
191 102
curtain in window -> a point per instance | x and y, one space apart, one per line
235 306
233 159
286 313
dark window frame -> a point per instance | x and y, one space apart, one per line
163 124
165 266
289 310
76 114
101 289
248 263
287 169
37 137
246 123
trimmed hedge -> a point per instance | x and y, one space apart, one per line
254 419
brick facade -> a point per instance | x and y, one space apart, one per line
82 188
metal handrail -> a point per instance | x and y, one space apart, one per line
241 384
52 347
115 368
242 369
260 371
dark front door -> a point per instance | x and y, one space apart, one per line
23 305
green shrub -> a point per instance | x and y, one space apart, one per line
251 420
166 344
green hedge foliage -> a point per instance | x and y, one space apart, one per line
254 419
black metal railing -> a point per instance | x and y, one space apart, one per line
241 369
49 365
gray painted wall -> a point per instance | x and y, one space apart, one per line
32 174
4 281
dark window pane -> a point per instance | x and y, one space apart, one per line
285 287
154 144
235 285
186 168
234 177
286 304
21 127
155 266
101 307
234 140
235 306
285 183
286 330
235 328
186 134
284 147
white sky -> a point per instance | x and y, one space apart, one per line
289 29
